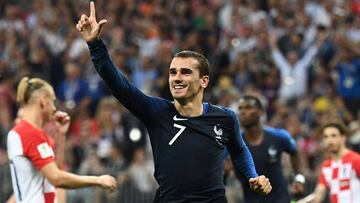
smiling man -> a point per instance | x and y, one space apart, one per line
188 137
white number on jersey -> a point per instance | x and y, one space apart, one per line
182 128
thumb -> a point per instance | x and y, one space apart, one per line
102 23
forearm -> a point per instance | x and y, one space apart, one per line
71 181
63 179
296 163
312 198
240 155
317 196
280 61
309 56
60 149
244 163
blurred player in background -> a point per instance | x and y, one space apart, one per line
340 172
34 173
188 137
266 145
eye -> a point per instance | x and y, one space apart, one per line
172 72
186 71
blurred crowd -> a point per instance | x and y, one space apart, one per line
301 57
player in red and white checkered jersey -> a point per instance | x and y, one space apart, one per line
340 173
34 172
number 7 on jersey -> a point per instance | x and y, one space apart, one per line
182 128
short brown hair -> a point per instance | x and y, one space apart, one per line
335 124
204 66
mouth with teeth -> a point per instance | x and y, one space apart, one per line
178 88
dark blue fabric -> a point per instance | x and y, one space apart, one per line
267 157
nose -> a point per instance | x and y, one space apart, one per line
177 77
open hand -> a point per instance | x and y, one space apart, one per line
260 185
88 27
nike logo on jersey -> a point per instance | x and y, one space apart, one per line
175 118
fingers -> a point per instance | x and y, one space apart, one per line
78 27
62 117
112 185
261 184
83 19
88 26
265 184
92 9
102 22
108 182
82 22
267 188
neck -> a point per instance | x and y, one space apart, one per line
340 154
254 134
189 109
30 114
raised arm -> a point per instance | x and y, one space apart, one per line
310 54
279 59
141 105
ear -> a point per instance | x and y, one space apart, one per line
261 112
204 81
42 101
343 138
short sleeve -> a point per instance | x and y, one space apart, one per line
39 152
288 142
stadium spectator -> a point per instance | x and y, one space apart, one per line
293 69
73 91
347 64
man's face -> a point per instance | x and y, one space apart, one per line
249 113
292 57
333 140
184 79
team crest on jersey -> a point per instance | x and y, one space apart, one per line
272 151
219 135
